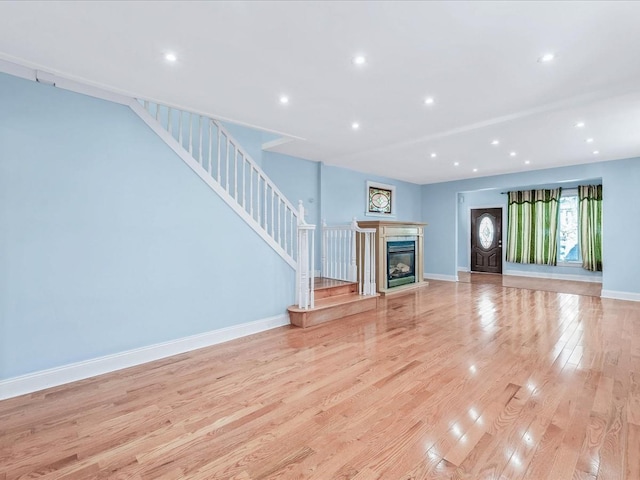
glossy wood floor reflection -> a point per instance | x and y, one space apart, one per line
546 284
452 381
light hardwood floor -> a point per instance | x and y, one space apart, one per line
450 381
546 284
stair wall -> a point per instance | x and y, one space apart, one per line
111 243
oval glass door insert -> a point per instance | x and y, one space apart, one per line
486 231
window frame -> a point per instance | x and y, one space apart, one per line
393 199
569 192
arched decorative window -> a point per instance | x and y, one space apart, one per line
486 232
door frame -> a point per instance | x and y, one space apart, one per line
504 232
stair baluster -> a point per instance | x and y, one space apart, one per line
347 254
192 148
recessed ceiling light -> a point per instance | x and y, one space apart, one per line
513 154
359 60
495 142
355 125
527 162
589 140
429 101
475 169
455 164
596 152
434 155
170 57
284 99
579 125
547 57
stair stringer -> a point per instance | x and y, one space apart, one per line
187 158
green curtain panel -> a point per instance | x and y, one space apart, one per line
590 198
532 222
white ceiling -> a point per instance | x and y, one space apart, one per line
477 59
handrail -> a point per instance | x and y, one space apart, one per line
217 157
257 167
348 253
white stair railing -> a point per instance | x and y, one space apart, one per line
210 150
348 253
306 262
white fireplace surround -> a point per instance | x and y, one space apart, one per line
392 231
407 238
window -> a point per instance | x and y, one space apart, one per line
381 200
569 228
486 232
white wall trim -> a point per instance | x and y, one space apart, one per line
17 70
84 88
90 90
208 179
631 296
276 143
25 69
439 276
463 269
554 276
53 377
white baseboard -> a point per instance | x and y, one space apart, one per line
439 276
554 276
53 377
463 269
633 297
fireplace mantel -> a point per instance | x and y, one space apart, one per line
386 231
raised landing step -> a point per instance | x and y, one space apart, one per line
334 299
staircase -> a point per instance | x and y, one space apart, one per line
334 299
348 282
348 263
206 146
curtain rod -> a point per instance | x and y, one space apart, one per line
585 181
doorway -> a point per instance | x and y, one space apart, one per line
486 240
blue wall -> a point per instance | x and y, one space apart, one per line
334 194
297 179
440 207
344 196
249 139
109 241
621 225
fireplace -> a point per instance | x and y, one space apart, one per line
401 263
399 255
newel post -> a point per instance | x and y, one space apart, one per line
323 253
353 267
301 220
301 249
304 270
